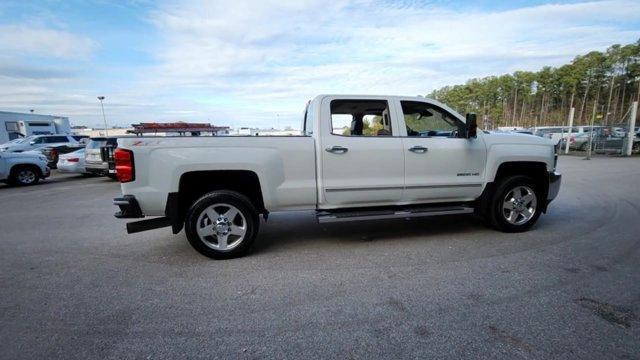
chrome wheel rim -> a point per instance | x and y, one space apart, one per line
26 176
222 227
519 205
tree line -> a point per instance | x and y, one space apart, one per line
599 85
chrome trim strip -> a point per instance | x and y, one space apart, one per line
441 186
403 187
397 215
366 188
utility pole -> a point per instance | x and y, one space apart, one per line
632 123
571 113
606 115
583 106
515 103
593 118
106 132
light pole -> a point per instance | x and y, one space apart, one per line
106 132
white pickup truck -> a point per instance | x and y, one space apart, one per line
358 158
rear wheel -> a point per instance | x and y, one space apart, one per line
515 205
222 224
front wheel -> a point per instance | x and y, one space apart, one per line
222 224
515 205
24 176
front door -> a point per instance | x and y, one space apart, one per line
440 163
362 158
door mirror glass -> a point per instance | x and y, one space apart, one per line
472 125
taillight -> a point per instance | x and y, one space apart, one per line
125 170
73 159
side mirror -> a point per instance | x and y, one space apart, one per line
32 143
472 126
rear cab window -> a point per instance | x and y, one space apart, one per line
361 118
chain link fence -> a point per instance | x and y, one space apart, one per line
620 138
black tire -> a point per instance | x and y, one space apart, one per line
583 147
24 176
249 218
496 212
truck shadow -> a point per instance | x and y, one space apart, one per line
285 230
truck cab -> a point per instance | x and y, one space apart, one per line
381 151
357 158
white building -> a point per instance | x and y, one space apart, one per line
16 125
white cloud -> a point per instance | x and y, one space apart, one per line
252 62
21 39
276 54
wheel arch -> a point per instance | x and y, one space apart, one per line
194 184
18 166
537 170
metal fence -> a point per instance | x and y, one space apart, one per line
621 138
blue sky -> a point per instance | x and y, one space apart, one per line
255 63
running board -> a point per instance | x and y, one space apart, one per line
329 217
149 224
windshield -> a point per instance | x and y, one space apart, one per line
23 140
96 143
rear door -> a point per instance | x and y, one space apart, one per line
440 164
361 153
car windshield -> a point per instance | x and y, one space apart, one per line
23 140
96 143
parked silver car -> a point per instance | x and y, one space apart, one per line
37 141
94 161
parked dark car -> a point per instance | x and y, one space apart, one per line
605 140
53 152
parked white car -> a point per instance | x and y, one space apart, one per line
37 141
72 162
359 158
25 168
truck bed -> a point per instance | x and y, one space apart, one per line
285 165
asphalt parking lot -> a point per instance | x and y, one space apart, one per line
75 285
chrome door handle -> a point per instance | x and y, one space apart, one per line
337 149
419 149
